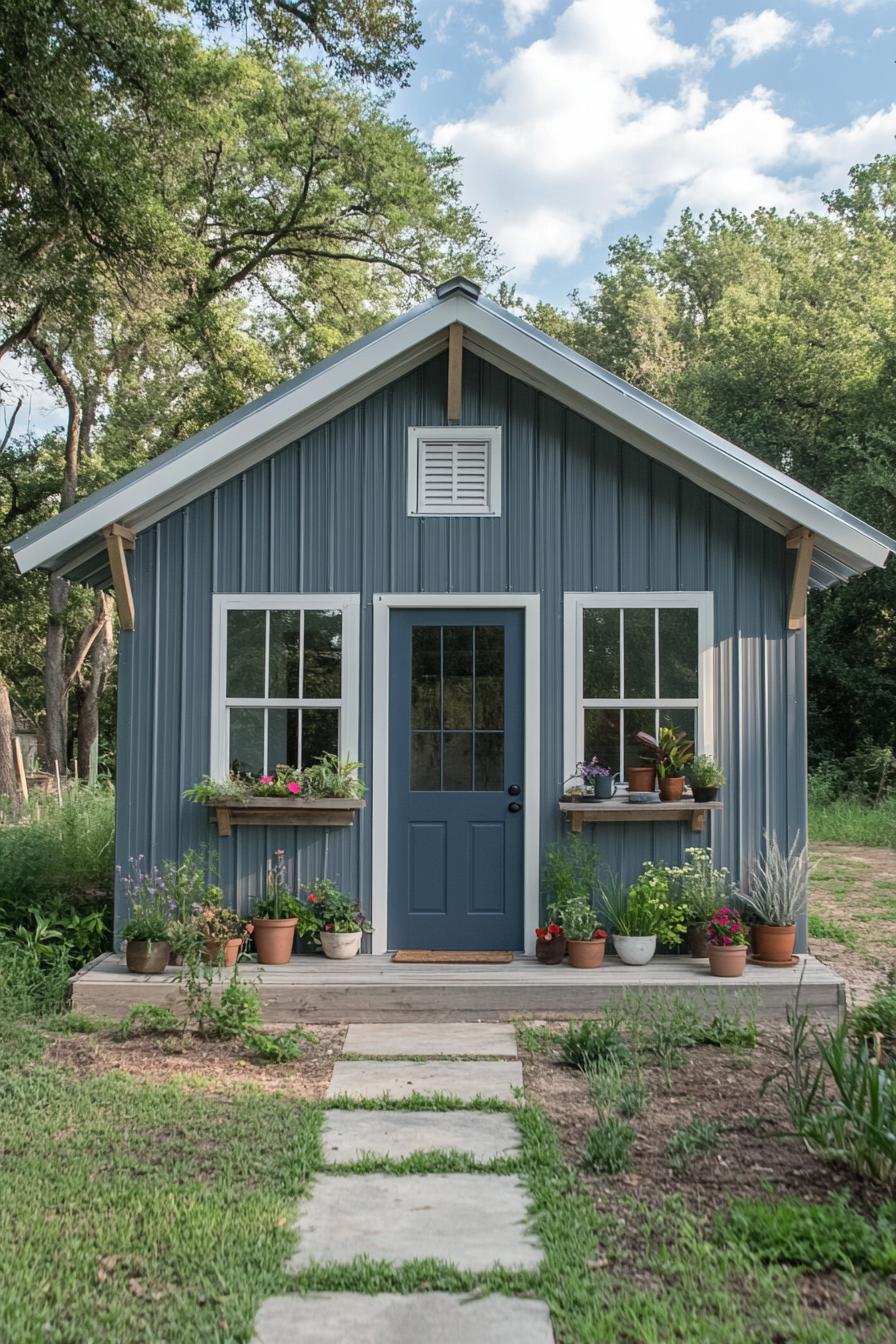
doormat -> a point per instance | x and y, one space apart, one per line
491 958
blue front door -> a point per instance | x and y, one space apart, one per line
455 780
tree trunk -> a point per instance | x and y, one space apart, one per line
9 784
90 692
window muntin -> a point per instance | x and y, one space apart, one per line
286 681
639 662
457 708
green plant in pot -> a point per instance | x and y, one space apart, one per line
642 915
700 890
706 778
340 921
775 895
223 930
275 916
586 941
673 752
146 932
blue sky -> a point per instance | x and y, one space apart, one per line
582 121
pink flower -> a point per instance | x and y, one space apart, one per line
265 779
293 787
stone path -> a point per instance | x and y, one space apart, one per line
474 1220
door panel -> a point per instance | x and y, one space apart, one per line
455 748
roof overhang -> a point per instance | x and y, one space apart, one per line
72 542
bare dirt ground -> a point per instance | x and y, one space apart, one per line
853 891
210 1065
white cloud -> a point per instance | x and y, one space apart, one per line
518 14
821 34
440 76
751 35
572 142
849 6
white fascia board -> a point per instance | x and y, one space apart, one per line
274 424
736 475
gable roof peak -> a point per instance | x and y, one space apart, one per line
458 284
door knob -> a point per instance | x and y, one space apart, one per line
514 790
514 807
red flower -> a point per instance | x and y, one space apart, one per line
312 898
293 787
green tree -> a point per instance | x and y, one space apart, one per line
779 332
185 226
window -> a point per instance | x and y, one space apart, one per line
454 472
635 661
286 671
457 708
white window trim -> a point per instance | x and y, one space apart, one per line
383 603
574 604
454 434
348 702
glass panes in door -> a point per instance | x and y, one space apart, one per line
457 708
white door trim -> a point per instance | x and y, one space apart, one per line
383 603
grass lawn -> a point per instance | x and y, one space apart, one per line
133 1209
850 823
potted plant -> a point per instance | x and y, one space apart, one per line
642 915
330 777
641 778
275 916
223 931
700 890
550 944
728 939
147 948
706 778
585 939
674 752
146 933
776 897
340 920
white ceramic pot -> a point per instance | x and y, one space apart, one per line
634 951
340 946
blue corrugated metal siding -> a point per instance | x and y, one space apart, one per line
581 511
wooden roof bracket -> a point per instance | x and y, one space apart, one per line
455 371
802 541
118 540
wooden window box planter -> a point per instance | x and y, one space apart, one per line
589 814
286 812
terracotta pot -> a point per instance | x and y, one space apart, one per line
671 788
273 940
552 953
773 942
146 958
704 795
698 946
586 954
634 950
340 946
641 778
230 948
727 961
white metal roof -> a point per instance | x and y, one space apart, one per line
71 542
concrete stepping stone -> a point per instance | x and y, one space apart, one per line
474 1222
349 1135
431 1038
387 1318
462 1080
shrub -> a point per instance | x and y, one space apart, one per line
615 1087
698 1136
238 1011
149 1019
811 1236
32 984
283 1049
568 874
592 1044
776 886
877 1019
608 1147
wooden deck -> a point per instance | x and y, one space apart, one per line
376 989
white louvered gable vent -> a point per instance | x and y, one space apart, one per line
454 472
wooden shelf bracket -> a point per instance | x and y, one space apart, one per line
118 540
802 541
